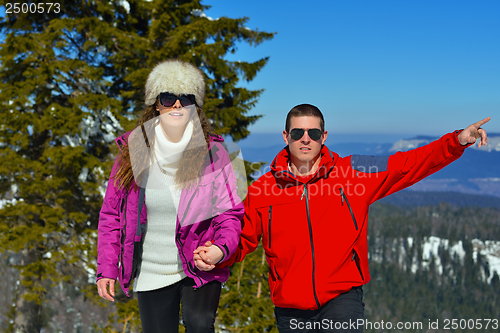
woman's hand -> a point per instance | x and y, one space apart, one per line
102 288
205 257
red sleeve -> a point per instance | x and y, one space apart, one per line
251 231
406 168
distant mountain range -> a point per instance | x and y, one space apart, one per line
411 197
477 172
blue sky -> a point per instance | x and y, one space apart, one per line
378 70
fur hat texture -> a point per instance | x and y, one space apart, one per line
177 77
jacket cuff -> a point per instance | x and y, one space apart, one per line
225 251
106 273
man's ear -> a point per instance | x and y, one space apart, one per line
325 135
285 137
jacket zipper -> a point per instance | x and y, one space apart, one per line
270 214
343 196
355 257
312 246
188 263
124 234
179 244
137 253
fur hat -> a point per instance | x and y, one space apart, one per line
176 77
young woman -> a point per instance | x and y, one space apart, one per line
171 189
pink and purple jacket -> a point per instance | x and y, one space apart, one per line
211 211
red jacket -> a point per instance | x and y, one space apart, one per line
315 233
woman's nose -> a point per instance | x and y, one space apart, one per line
177 104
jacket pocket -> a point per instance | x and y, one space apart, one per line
344 197
276 273
355 258
273 271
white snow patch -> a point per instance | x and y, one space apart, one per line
125 5
430 249
201 13
490 250
83 175
404 145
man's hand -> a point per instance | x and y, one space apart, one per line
102 288
473 132
205 257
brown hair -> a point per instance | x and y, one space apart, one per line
191 160
304 110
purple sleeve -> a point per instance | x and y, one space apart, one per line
108 237
228 209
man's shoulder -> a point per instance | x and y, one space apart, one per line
265 180
369 163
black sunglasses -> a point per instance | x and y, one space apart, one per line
298 133
168 99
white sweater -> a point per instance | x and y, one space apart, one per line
161 265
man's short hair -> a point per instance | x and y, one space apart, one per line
305 110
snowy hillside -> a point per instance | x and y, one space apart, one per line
431 251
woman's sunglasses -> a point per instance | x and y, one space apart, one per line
168 99
298 133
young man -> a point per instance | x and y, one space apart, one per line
311 211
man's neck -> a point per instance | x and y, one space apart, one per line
302 169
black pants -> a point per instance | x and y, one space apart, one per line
159 308
344 313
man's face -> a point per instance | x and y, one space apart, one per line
305 149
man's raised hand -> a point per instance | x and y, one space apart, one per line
473 132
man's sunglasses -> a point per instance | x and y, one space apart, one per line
168 99
298 133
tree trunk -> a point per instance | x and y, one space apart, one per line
27 317
240 276
259 287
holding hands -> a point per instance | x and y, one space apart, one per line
473 132
205 257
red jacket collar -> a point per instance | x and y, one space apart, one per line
328 161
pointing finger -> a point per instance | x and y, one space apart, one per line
482 122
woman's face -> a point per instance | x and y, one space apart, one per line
175 116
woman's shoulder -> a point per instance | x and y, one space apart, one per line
215 137
218 153
122 140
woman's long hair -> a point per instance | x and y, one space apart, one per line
190 163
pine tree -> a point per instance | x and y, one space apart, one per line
71 79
